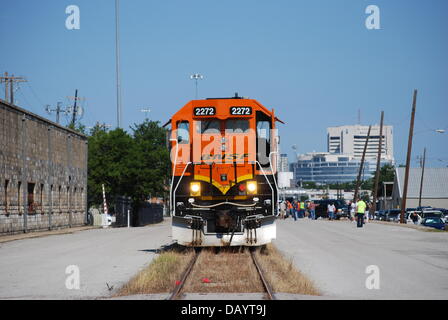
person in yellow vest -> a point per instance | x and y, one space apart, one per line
302 209
360 212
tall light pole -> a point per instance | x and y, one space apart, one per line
146 111
117 50
196 77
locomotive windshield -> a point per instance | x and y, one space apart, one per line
237 126
208 126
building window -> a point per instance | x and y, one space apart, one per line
68 199
31 203
60 199
51 199
6 196
19 197
41 198
75 199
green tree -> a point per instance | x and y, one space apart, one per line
111 156
151 165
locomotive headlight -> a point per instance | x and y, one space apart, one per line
195 189
252 187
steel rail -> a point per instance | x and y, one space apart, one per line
266 285
184 277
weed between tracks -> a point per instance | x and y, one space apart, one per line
229 270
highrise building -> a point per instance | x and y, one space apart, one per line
350 140
283 165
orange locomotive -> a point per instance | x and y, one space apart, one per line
224 167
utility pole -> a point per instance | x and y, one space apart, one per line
361 167
408 158
9 84
378 164
58 110
421 180
74 109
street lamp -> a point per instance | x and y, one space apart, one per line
146 111
196 77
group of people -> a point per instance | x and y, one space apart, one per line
301 209
297 209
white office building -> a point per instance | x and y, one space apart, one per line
283 164
350 140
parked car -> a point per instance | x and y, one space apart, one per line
433 222
393 215
444 212
380 215
432 214
321 208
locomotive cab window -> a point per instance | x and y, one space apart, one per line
237 126
263 138
183 132
208 126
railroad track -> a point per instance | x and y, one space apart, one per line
266 285
177 290
176 293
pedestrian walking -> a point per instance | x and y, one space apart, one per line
312 210
289 210
415 217
360 212
282 209
302 209
295 211
352 208
331 208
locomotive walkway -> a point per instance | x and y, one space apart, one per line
412 264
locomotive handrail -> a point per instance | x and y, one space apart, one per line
172 179
273 176
177 185
221 203
272 189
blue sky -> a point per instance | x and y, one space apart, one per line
314 61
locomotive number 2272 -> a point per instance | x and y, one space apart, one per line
241 110
204 111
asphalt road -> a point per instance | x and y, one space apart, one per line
412 264
36 268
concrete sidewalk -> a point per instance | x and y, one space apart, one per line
335 254
36 268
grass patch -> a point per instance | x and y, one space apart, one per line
282 275
161 275
227 270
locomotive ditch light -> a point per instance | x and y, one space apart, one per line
256 199
195 189
251 187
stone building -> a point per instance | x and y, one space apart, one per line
43 173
